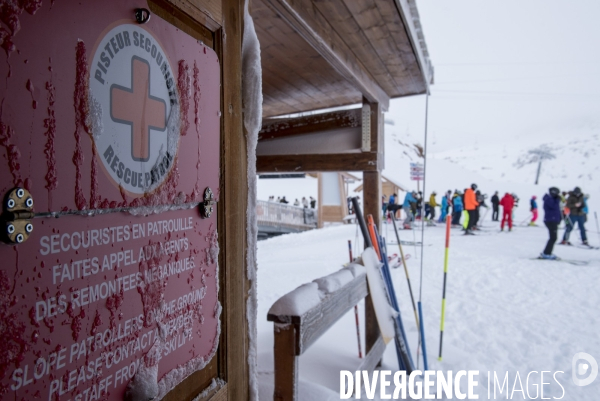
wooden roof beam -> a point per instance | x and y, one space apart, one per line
363 161
308 21
285 127
404 10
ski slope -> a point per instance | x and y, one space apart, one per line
505 312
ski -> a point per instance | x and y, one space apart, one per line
587 247
569 261
392 242
399 261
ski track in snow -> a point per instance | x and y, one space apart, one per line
505 312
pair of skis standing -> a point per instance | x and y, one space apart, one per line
383 293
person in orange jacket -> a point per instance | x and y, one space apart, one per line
507 202
471 206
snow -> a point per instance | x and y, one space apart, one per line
334 281
505 310
252 100
297 302
143 386
309 295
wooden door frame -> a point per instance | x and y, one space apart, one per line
230 363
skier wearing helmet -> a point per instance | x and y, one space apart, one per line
576 215
552 217
471 207
534 210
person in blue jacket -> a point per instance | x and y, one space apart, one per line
457 209
552 218
444 207
409 200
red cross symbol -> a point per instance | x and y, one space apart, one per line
134 106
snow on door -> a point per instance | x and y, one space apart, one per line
113 128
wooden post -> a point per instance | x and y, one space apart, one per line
286 363
372 205
232 207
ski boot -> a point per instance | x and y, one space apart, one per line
548 257
565 242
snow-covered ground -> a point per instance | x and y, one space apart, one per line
506 312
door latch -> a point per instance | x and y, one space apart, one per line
206 207
17 215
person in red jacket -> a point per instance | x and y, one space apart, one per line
507 202
471 207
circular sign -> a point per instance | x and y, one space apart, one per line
134 109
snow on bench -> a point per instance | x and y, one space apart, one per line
301 316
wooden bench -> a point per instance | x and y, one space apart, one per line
295 334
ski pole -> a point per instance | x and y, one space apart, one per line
487 209
597 227
361 222
444 290
412 298
402 343
423 347
355 308
373 234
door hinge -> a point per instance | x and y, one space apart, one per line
206 207
17 215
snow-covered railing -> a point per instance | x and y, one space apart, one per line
283 215
303 315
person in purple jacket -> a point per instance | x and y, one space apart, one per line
552 218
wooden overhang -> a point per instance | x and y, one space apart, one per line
327 53
319 54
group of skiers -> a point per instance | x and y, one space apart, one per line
468 203
568 207
304 203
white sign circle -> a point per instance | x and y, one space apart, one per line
134 109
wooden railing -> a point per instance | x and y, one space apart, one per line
283 215
295 334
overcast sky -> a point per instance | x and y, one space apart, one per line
506 68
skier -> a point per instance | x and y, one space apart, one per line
418 205
392 206
446 199
471 208
534 210
495 207
480 203
457 209
409 203
552 217
305 202
283 200
313 202
432 205
575 215
507 203
296 202
585 206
